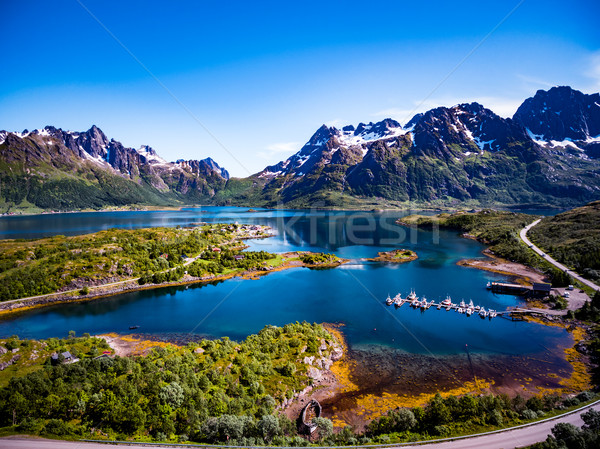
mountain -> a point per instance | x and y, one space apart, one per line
563 117
56 169
547 154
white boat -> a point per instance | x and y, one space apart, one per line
468 311
492 314
412 295
447 301
471 306
462 305
489 285
460 309
389 300
483 313
414 303
477 308
398 300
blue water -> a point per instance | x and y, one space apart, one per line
352 294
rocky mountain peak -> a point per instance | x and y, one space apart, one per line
561 113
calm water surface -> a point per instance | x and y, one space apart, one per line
353 294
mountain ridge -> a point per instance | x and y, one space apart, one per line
463 153
46 168
548 153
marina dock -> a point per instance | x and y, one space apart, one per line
471 309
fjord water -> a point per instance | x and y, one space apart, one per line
352 294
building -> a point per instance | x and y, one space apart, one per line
540 289
63 357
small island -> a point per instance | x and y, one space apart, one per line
395 256
321 260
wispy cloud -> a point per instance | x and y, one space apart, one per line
504 107
593 71
534 83
278 149
395 113
337 122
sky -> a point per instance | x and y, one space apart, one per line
248 83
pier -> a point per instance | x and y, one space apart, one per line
513 313
447 304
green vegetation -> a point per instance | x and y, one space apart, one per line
319 258
499 230
573 238
565 435
36 267
212 391
216 391
30 355
454 416
395 256
590 310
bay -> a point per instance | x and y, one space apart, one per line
352 295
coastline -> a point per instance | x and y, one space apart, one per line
495 264
367 382
291 260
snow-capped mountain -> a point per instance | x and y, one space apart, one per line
563 117
548 151
547 154
99 165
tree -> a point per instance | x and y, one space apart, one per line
268 427
403 420
172 395
591 418
436 412
324 427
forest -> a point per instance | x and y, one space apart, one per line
218 391
41 266
210 391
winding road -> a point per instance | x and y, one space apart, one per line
523 235
501 439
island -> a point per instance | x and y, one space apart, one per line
35 273
395 256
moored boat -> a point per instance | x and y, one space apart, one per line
389 300
398 300
483 313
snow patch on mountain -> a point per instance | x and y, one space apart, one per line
151 156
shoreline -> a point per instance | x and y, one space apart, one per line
357 385
524 274
23 305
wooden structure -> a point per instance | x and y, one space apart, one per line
310 411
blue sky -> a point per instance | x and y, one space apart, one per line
247 83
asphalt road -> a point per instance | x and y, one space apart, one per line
509 439
523 235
